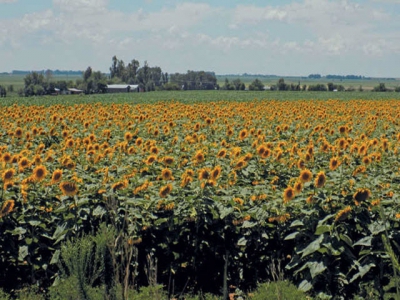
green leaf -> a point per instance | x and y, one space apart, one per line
292 235
322 229
242 241
248 224
18 231
312 247
316 268
160 221
365 241
376 228
56 257
296 223
99 211
362 271
345 238
305 286
225 212
22 253
34 223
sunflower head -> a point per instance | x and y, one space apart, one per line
165 190
288 194
8 175
305 175
68 188
166 174
7 207
320 179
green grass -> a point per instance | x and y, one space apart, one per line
195 96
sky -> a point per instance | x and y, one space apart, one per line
280 37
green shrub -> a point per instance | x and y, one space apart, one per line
280 290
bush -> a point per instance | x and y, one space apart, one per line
278 290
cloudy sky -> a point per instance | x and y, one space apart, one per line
282 37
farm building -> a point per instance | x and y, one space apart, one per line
74 91
122 88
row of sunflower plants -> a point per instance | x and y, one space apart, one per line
205 197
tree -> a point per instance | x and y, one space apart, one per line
380 88
281 85
87 74
256 85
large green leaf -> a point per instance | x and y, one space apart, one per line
365 241
322 229
305 286
316 268
312 247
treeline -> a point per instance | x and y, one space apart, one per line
257 85
54 72
147 78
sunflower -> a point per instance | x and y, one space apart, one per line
361 195
166 174
301 164
128 136
39 173
204 174
150 159
18 132
168 160
154 150
8 175
186 180
165 190
366 160
56 177
139 142
120 185
216 172
69 143
305 175
199 157
240 164
320 179
243 134
7 207
334 163
6 158
343 214
298 187
221 153
288 194
23 163
68 188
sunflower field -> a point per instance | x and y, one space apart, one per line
206 196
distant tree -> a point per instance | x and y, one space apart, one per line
281 85
256 85
87 74
10 88
360 88
380 88
227 85
397 89
238 84
33 84
49 75
314 76
2 92
318 87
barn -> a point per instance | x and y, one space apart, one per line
122 88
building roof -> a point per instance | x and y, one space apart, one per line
74 90
122 86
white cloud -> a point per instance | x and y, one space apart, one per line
8 1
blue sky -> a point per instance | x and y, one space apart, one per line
231 36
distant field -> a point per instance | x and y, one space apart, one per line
365 83
197 96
